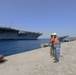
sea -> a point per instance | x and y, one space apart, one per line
11 47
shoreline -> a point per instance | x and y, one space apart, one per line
39 62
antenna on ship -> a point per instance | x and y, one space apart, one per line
10 25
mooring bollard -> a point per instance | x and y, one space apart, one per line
1 57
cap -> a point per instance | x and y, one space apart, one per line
54 34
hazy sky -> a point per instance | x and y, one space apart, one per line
43 16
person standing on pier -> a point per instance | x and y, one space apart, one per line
56 44
51 45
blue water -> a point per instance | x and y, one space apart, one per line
10 47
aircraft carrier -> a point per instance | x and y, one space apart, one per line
7 33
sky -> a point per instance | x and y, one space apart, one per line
45 16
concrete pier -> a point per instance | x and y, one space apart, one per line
39 62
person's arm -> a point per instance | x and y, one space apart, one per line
51 40
61 38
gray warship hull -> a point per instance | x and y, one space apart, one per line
14 34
